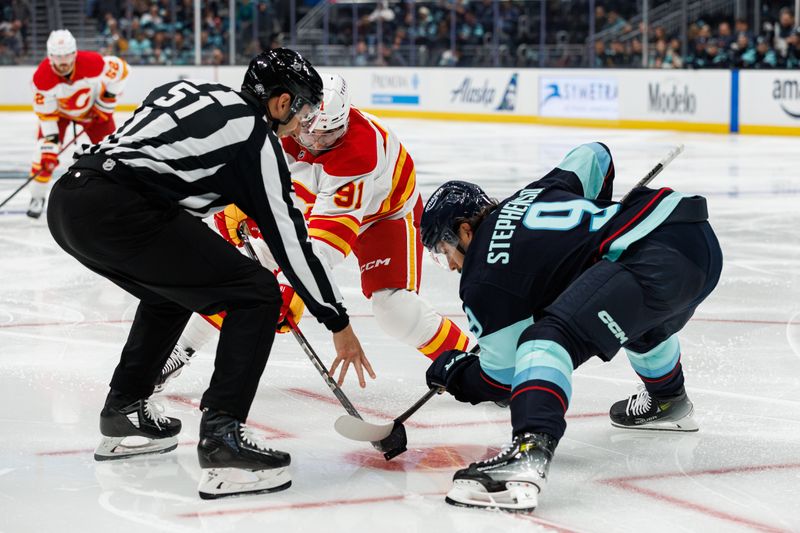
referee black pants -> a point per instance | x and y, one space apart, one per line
174 264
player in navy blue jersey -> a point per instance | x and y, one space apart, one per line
551 276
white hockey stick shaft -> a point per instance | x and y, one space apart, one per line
656 170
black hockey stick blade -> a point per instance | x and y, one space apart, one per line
391 436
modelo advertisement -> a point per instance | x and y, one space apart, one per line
675 96
584 97
769 98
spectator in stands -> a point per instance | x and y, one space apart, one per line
152 21
699 57
7 56
450 58
182 52
742 26
762 56
738 49
470 32
724 35
783 30
718 56
616 55
139 49
11 36
792 57
674 55
114 43
362 54
600 57
614 22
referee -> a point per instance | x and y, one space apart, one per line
130 210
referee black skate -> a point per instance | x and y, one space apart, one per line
130 209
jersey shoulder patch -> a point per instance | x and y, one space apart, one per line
44 78
88 64
357 155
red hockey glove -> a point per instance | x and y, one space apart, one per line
230 220
49 159
104 107
292 308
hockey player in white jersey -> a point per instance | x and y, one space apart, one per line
356 184
70 86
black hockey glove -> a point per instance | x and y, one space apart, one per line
446 370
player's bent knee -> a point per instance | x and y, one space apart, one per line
405 316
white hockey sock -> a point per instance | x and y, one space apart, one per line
405 316
197 333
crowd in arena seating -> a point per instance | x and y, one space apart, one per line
161 32
720 45
14 17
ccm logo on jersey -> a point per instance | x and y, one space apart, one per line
613 326
376 264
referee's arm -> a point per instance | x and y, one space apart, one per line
284 230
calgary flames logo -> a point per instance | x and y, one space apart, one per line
76 101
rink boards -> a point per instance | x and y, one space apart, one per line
761 102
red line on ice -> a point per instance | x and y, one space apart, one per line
626 483
275 433
422 425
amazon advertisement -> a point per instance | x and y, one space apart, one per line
769 98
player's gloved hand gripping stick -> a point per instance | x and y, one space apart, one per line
30 179
355 428
395 442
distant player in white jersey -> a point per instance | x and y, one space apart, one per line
70 86
356 185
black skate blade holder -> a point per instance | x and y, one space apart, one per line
395 443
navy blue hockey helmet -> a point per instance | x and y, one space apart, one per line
282 70
453 201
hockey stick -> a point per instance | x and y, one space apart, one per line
656 170
400 442
357 429
35 175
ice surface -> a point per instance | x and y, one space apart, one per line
61 329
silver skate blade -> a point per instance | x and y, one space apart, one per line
354 428
114 448
224 482
519 496
686 424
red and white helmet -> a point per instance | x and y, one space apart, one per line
62 51
334 116
61 43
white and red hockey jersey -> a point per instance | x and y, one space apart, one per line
74 97
369 176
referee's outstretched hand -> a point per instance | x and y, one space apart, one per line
349 352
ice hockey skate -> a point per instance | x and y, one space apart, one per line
234 462
135 428
510 481
36 207
179 358
642 411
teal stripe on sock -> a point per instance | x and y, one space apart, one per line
545 360
657 362
499 351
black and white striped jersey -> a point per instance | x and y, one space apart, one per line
202 146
